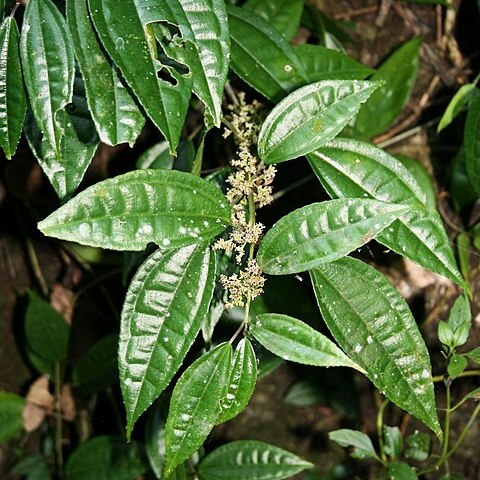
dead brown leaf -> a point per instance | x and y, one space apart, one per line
39 404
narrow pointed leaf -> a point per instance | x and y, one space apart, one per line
170 208
464 95
310 117
131 45
323 232
250 460
163 312
472 144
115 113
375 328
196 405
349 168
241 384
294 340
399 73
13 103
262 57
48 67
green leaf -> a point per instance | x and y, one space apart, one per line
66 167
401 471
97 368
398 72
456 365
460 188
419 445
322 63
34 467
393 441
158 156
170 208
474 355
196 404
13 103
323 232
114 111
283 15
349 168
241 384
310 117
262 57
250 460
445 334
47 333
127 37
374 326
472 144
464 95
106 457
460 321
360 442
464 247
11 410
305 393
155 441
48 67
163 312
293 340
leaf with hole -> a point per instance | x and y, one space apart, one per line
373 325
472 144
293 340
13 103
360 442
323 232
196 404
250 460
163 312
310 117
169 208
114 111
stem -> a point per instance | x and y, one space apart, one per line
467 373
15 8
464 431
381 444
58 422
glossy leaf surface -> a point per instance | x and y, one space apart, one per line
163 312
116 115
196 404
349 168
472 144
262 57
241 384
250 460
127 212
361 443
293 340
321 63
131 45
399 73
11 409
310 117
13 103
48 67
374 326
323 232
106 457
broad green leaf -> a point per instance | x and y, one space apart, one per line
293 340
155 441
66 167
34 467
13 103
445 334
170 208
283 15
114 111
97 368
158 156
361 443
460 188
323 232
418 447
472 144
456 365
196 404
474 355
398 72
250 460
393 441
305 393
374 326
241 384
460 320
401 471
349 168
11 420
46 331
132 46
163 312
310 117
106 457
48 67
262 57
465 94
322 63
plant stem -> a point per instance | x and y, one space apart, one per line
467 373
58 422
15 7
464 431
381 444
